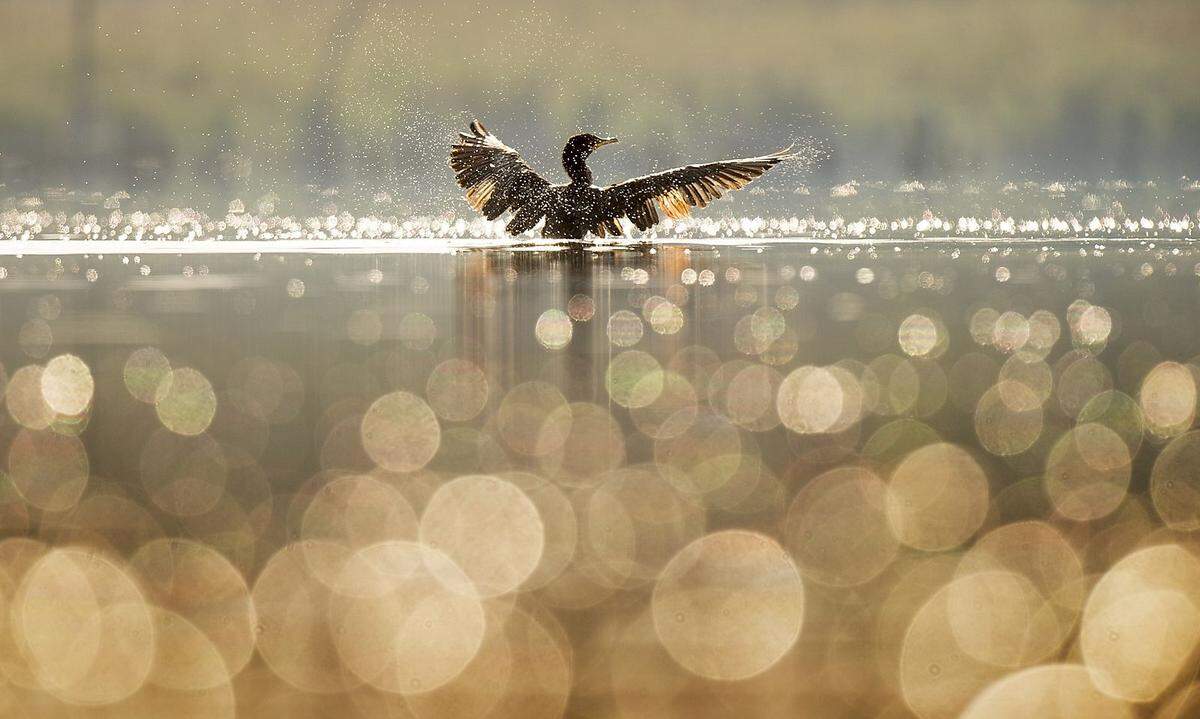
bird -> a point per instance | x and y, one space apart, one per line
497 179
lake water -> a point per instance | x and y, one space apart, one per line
788 479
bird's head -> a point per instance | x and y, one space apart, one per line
586 143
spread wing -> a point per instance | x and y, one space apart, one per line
494 175
644 200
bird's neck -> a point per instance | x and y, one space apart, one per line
575 163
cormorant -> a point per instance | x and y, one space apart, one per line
497 179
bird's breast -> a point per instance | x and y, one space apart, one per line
579 197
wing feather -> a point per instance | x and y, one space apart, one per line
645 200
495 176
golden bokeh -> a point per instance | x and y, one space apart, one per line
25 401
84 628
587 442
827 480
671 412
1008 418
937 677
209 609
1088 472
837 528
1175 483
581 308
1168 399
920 336
404 618
67 385
400 432
1141 625
1052 691
293 598
185 401
183 475
489 528
364 327
634 379
625 329
937 497
1035 553
457 390
49 470
358 511
810 400
554 329
523 418
729 605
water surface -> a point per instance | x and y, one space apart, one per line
801 478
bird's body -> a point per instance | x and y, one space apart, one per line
498 180
573 210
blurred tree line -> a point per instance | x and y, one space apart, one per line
234 96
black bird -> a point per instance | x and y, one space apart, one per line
497 179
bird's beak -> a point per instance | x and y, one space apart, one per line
606 141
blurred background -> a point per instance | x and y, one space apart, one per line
218 98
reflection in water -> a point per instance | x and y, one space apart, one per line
802 480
